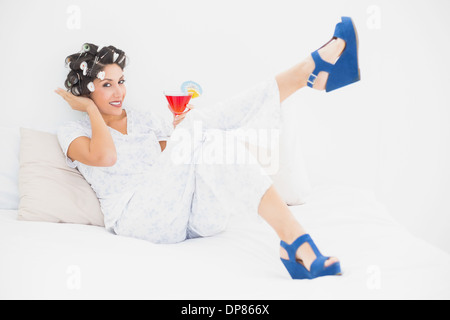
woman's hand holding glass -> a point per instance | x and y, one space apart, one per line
177 119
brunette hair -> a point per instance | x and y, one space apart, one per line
88 64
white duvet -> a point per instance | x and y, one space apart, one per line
380 259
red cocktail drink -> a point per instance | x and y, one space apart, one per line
178 101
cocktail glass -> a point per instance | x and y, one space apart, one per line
178 101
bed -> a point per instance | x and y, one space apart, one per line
380 259
54 259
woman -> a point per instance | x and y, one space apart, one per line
127 155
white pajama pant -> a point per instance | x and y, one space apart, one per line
194 188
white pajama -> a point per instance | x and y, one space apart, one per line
177 194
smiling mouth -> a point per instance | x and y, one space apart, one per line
117 104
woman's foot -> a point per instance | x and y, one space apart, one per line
329 53
306 256
295 78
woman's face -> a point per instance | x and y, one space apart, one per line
110 92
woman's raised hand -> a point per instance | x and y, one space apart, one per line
76 103
177 119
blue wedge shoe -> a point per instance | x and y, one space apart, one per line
297 269
346 70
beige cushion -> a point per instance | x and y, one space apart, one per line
49 190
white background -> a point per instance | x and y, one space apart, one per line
390 133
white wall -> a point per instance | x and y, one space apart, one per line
389 133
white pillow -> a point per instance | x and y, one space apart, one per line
50 191
292 180
287 169
9 167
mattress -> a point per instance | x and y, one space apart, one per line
380 259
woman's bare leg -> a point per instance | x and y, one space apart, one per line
292 80
277 214
272 208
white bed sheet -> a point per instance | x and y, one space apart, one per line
380 259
